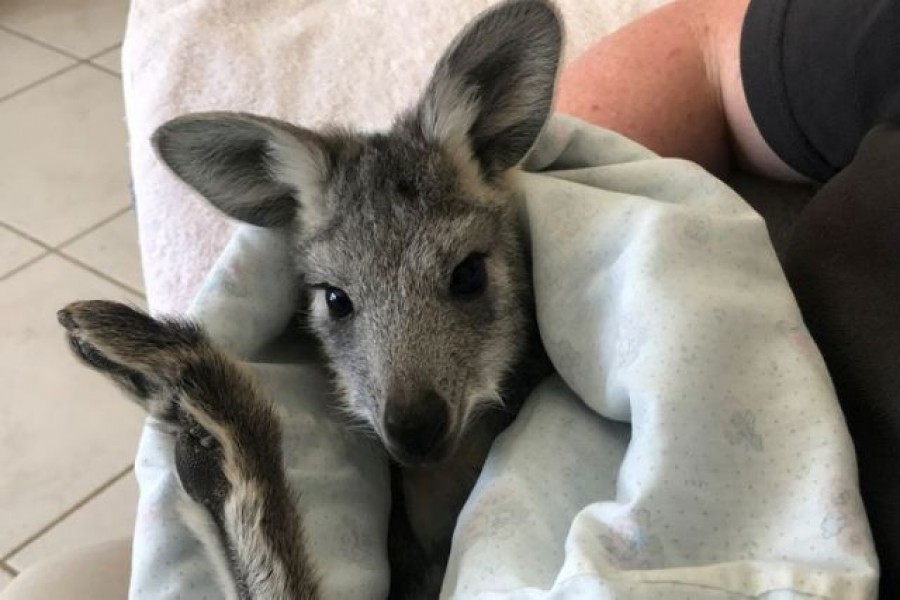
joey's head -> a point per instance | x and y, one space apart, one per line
407 238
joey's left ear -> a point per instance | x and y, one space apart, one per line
492 91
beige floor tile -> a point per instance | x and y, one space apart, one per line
111 60
65 163
5 578
15 250
82 27
108 516
112 249
23 62
64 430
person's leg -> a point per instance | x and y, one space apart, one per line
844 267
672 82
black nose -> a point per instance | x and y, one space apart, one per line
416 426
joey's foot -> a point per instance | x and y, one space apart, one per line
221 423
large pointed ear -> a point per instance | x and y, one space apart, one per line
253 169
492 91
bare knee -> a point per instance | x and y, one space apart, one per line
653 81
671 80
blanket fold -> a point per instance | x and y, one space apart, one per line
661 303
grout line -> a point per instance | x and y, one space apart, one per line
104 51
44 79
25 265
119 212
91 229
78 62
25 235
104 69
8 569
59 251
98 273
101 67
67 513
46 251
34 40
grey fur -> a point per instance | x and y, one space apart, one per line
387 218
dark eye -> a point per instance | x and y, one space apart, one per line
339 304
469 277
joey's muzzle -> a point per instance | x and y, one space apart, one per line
416 428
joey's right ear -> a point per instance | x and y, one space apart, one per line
260 171
492 91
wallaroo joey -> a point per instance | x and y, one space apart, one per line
420 293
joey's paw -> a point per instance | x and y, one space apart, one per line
206 398
123 341
198 462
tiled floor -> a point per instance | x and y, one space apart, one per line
67 231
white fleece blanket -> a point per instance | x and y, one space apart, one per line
662 304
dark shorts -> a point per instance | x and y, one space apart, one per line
819 74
